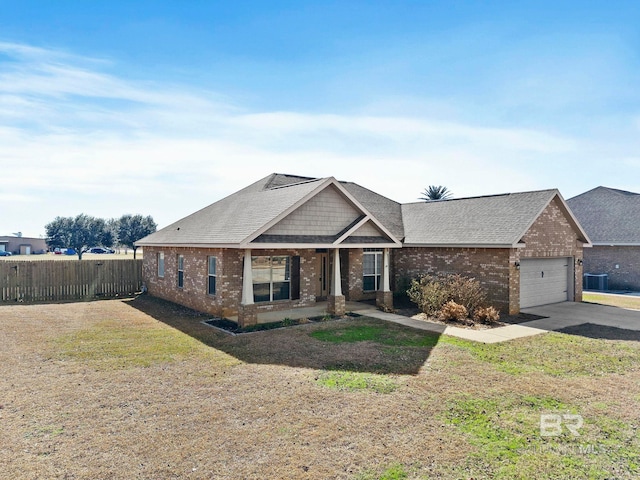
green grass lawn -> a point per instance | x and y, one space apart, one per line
623 301
146 383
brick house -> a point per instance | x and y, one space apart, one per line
612 220
288 241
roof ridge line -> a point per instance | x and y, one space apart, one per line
481 196
297 183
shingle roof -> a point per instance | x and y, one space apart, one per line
491 220
608 215
386 211
234 218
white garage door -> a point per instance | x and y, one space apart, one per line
543 281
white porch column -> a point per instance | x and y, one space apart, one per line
384 297
247 280
384 283
336 281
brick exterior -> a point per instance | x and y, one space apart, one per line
384 300
551 235
489 265
352 272
336 305
603 259
229 279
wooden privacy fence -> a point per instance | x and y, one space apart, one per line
53 280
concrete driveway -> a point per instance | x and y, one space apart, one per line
587 319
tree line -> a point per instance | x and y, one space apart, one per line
84 231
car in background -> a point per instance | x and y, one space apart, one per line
100 250
4 253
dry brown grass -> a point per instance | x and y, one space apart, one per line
86 395
622 301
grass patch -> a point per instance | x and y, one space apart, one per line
622 301
351 381
115 344
383 334
505 432
555 354
394 472
48 431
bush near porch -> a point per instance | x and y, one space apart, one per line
452 298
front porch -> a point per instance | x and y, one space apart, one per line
318 310
299 283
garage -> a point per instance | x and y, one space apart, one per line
544 281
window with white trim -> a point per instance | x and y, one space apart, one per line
161 264
180 271
211 285
371 269
271 278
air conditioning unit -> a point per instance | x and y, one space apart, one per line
592 281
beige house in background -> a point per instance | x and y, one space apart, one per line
288 241
22 245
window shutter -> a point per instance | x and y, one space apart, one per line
295 278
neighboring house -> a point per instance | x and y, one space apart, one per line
612 220
23 245
288 241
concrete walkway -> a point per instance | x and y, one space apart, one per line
554 317
490 335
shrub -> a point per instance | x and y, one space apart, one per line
431 292
453 311
486 315
466 291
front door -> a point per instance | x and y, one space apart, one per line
324 277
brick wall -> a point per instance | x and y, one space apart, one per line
228 295
491 266
551 235
352 274
603 259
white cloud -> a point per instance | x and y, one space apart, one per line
75 139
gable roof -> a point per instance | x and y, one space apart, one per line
388 212
240 218
610 216
488 221
255 215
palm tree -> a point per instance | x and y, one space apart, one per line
436 192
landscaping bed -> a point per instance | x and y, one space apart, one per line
232 327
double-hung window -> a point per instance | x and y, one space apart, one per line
161 265
271 278
211 285
180 271
372 269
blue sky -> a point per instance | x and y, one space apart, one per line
161 108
